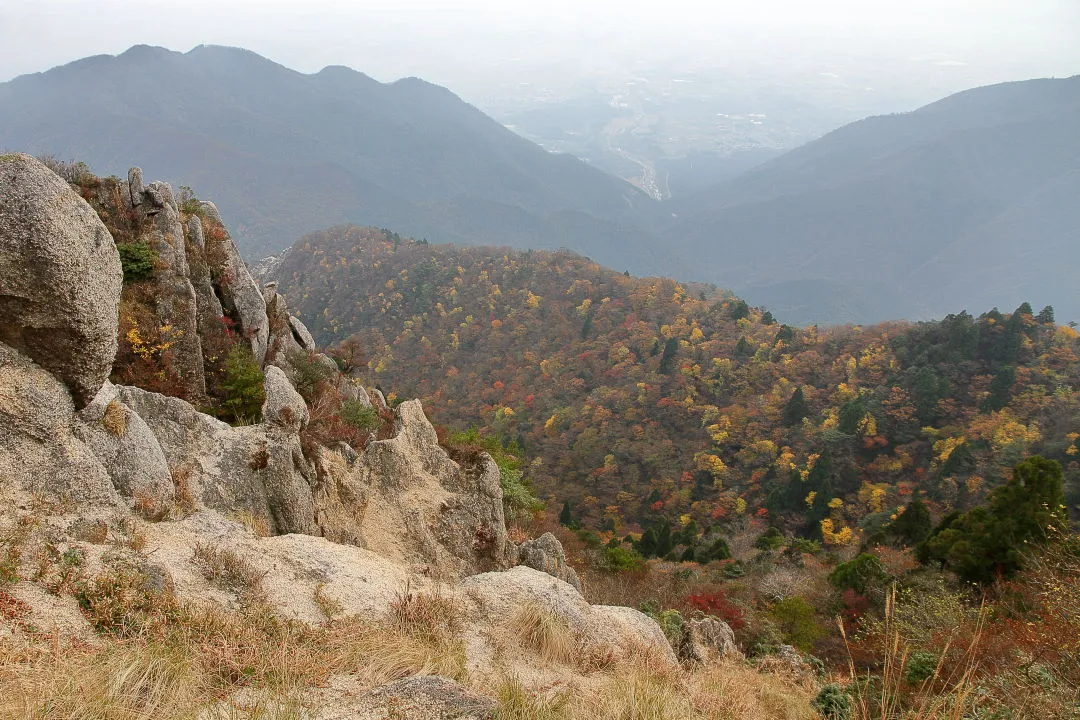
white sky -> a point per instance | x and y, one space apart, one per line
467 43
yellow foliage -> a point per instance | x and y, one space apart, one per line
740 506
151 349
944 448
810 498
873 496
711 463
843 536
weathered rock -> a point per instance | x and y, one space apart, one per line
39 450
283 405
708 638
126 447
430 697
175 298
291 567
60 277
619 630
240 295
302 335
135 186
406 499
546 554
260 469
378 400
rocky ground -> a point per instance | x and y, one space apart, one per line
127 513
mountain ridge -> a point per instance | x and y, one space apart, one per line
870 205
405 154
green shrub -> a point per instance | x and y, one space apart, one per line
771 539
518 499
137 259
795 617
920 667
308 372
619 559
673 625
360 416
833 703
862 574
242 387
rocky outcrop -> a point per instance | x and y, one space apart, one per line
406 499
60 277
256 469
497 596
546 554
707 639
125 445
40 452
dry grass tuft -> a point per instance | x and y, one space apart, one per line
124 682
426 616
229 571
115 418
517 703
256 524
540 630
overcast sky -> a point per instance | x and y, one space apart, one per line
467 44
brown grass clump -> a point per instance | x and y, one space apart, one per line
517 703
646 689
123 682
229 571
115 418
427 616
541 631
256 524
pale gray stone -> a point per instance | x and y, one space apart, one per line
546 554
60 277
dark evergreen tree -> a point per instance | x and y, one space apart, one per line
796 409
913 525
989 541
565 516
1000 389
671 349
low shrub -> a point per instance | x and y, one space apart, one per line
137 260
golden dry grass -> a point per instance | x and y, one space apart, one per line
163 658
115 418
541 631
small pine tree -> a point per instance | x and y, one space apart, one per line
988 542
913 525
796 409
566 518
242 387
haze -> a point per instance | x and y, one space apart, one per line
493 53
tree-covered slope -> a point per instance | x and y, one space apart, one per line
634 398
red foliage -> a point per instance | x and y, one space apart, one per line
715 602
855 604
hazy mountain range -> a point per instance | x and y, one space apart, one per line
969 202
283 153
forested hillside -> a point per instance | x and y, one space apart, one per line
635 399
